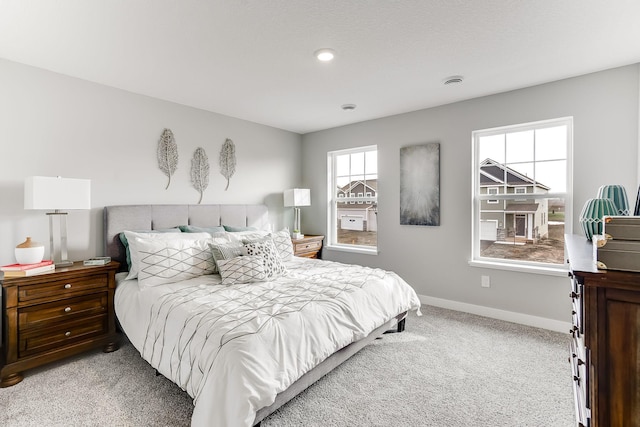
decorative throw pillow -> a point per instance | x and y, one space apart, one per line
125 242
282 241
131 235
196 229
170 261
273 266
224 251
242 269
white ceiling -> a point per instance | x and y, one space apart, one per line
253 59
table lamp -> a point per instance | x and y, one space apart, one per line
57 194
294 198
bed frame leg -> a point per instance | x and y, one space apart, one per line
401 325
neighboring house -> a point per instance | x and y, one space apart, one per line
522 220
360 215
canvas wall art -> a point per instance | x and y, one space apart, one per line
420 184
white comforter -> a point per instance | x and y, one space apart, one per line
234 348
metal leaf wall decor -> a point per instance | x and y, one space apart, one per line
167 154
228 160
200 171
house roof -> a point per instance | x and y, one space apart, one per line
371 183
492 173
521 208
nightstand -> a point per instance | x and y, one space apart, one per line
308 246
51 316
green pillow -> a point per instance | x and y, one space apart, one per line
196 229
233 229
124 241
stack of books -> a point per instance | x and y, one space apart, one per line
22 270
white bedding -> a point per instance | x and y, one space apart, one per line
234 348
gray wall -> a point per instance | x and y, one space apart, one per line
434 260
56 125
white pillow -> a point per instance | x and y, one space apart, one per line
132 235
273 266
170 261
242 269
282 241
239 236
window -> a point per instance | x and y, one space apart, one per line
492 190
522 195
353 217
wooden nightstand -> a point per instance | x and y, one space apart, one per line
308 246
55 315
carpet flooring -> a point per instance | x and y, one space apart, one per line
447 369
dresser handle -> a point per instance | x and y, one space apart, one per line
67 309
67 334
67 286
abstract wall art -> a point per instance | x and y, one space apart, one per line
420 184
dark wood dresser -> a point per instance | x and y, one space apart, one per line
605 349
54 315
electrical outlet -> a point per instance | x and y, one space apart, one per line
485 282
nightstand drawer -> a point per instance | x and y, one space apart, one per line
307 246
39 340
61 288
42 314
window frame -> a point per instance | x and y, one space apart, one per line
331 241
477 198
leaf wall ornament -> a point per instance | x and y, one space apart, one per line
167 154
228 160
200 171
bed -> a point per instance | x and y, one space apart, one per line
241 345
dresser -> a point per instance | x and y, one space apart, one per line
51 316
309 246
605 345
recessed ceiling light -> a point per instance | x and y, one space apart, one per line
453 80
325 55
348 107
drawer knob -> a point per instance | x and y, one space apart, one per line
67 334
67 309
67 286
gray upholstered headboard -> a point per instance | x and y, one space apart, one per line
152 217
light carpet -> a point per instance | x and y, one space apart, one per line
447 369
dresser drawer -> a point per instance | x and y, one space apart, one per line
61 288
43 314
307 246
34 341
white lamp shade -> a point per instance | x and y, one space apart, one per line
51 193
297 197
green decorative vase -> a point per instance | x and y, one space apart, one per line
618 196
592 213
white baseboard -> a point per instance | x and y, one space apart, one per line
494 313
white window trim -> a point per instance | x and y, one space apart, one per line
332 238
518 265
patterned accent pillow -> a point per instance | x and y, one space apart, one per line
224 251
170 261
242 269
129 237
273 266
282 241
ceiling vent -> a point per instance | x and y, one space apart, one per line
453 80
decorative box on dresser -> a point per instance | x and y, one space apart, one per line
308 246
605 349
55 315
